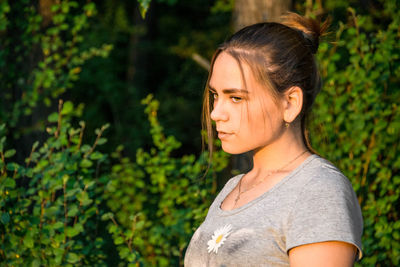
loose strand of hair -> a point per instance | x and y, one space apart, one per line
305 135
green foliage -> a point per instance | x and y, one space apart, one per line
57 59
144 6
223 6
159 51
52 206
357 125
49 206
4 9
160 199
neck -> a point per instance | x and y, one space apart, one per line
274 156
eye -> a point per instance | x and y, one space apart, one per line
236 99
214 95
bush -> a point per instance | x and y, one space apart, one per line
40 61
160 199
50 205
53 206
357 125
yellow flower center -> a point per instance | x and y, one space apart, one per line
219 239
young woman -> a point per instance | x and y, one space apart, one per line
294 207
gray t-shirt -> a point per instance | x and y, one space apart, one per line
314 203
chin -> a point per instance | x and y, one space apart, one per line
234 150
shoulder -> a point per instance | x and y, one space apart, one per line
234 180
327 191
324 179
318 178
326 208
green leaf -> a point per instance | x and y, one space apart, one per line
84 198
89 184
73 231
140 225
35 145
87 201
59 237
144 6
9 183
28 241
58 225
12 166
72 257
73 210
9 153
101 141
85 148
64 26
68 107
119 240
85 163
5 218
36 263
96 155
107 216
52 211
53 117
55 8
124 252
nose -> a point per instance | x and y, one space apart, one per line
219 113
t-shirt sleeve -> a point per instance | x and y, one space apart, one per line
326 210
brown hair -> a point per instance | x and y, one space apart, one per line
280 55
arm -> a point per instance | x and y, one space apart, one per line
324 254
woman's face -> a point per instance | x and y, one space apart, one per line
247 117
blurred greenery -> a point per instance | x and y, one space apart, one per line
359 115
132 192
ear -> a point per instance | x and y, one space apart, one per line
293 102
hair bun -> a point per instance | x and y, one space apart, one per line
310 29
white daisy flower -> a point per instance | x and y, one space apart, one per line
218 238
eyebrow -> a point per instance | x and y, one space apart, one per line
229 90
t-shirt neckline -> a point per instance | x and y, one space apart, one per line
262 196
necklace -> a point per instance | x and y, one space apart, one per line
263 179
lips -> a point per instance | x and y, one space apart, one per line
224 135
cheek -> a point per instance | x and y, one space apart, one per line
259 127
254 123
